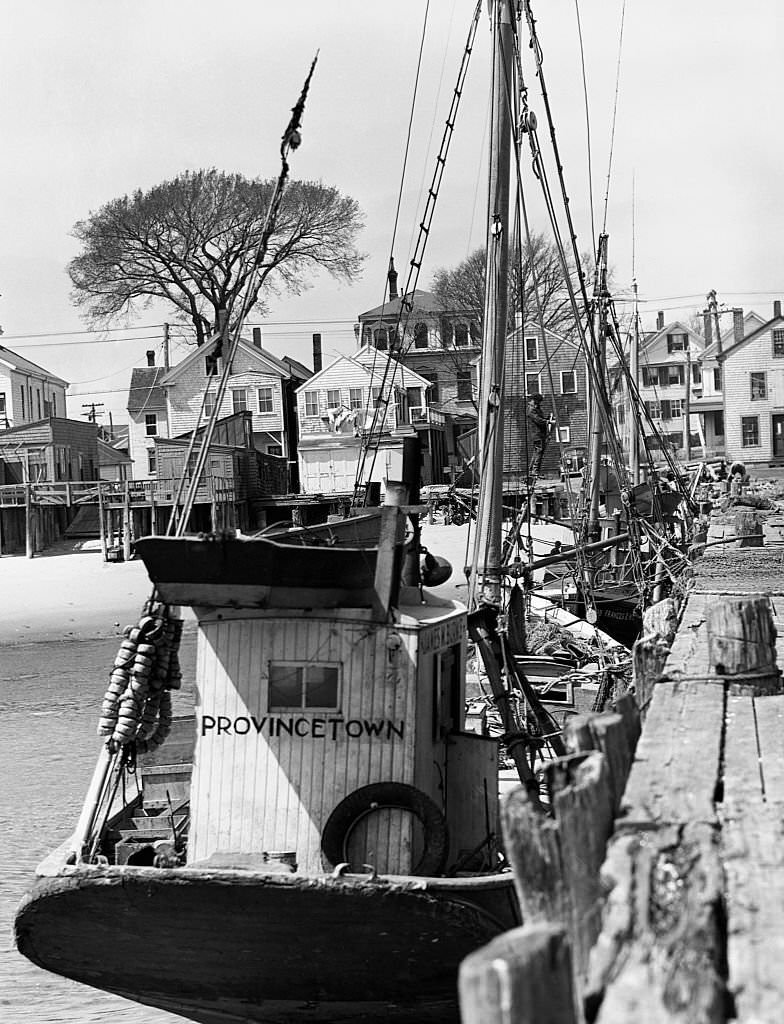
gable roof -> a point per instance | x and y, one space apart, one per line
375 370
269 364
768 325
22 365
145 390
751 321
296 368
110 455
650 338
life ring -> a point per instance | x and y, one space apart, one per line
357 805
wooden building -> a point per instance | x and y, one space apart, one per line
51 450
28 393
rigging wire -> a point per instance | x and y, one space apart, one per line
614 116
587 123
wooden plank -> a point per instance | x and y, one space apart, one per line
659 957
523 976
676 766
753 854
769 713
742 781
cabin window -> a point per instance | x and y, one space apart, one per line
749 430
274 449
264 396
421 335
717 386
759 385
461 335
209 403
532 384
151 461
778 344
356 399
568 382
564 435
150 424
532 348
333 398
311 403
211 365
677 342
303 686
239 399
464 389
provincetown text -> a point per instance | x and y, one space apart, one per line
313 728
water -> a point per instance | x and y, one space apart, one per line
49 699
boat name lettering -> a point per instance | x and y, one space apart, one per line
445 634
315 728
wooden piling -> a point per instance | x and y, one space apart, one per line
126 522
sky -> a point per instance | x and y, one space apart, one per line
101 97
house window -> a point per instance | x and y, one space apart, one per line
759 386
670 375
447 333
778 343
151 424
696 373
380 339
303 686
568 382
461 335
333 398
717 378
665 409
476 334
650 376
653 409
532 385
151 461
311 403
2 403
749 431
464 390
718 424
54 404
414 399
420 335
209 403
677 342
356 399
620 414
211 365
274 449
239 399
434 392
532 348
564 435
22 393
38 399
265 400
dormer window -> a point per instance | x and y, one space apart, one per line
380 339
677 342
421 336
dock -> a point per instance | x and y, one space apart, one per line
655 890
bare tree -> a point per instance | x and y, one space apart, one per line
538 273
192 242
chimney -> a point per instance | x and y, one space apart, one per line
316 353
707 327
257 337
150 357
737 324
357 329
660 320
777 308
392 278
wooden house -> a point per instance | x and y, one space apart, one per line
49 450
148 417
542 362
753 390
28 393
336 408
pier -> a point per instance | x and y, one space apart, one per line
654 892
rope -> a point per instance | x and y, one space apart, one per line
615 111
587 122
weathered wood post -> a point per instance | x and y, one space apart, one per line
102 523
742 644
29 526
126 521
748 530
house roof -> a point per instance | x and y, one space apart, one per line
375 370
424 302
145 390
751 321
651 337
296 368
22 365
109 455
732 349
268 363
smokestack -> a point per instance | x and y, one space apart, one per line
660 320
777 308
737 324
392 278
150 357
257 337
316 353
707 327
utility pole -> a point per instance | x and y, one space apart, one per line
166 346
92 415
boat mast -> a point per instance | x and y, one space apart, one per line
597 393
634 373
487 549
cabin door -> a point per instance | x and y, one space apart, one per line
778 437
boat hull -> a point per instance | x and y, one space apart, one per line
241 946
